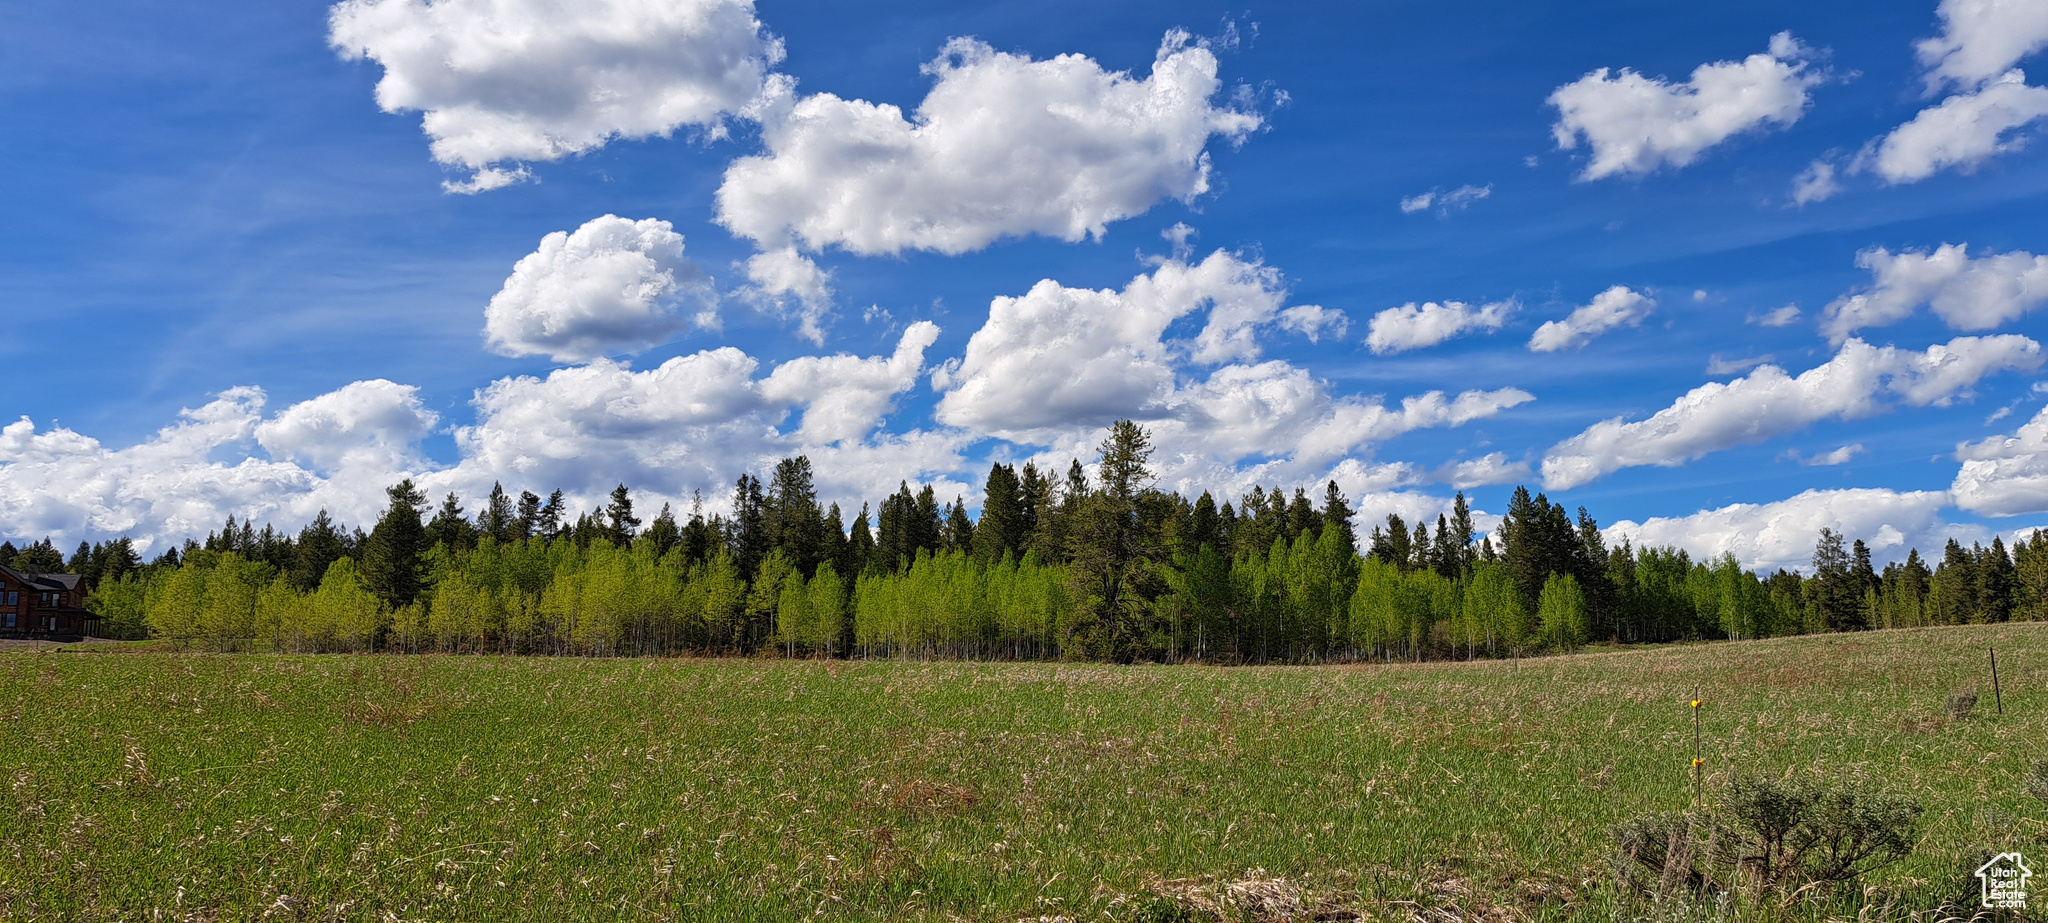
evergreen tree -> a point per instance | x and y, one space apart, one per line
320 545
663 535
795 523
1836 597
527 520
1395 545
958 530
497 519
747 531
620 524
548 525
2030 577
1002 527
392 568
1302 515
860 545
1996 582
1337 515
450 528
1107 548
1953 598
1462 533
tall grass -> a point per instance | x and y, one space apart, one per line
243 787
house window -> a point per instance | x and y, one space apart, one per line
10 620
14 597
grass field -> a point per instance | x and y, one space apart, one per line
155 785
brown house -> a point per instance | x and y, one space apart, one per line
43 604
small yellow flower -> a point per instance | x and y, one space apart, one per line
1695 703
1699 762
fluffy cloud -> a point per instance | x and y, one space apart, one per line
613 286
1445 202
1636 124
1051 367
1609 309
2006 475
1768 402
1494 468
1061 357
1314 320
1980 39
505 81
1002 146
844 397
1963 131
693 422
335 451
1967 294
785 282
1782 534
1411 326
366 425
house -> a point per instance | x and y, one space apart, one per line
43 604
2005 881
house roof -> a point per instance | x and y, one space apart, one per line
50 582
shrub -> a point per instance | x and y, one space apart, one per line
1771 836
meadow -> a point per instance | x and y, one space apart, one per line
142 783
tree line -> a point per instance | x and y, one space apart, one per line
1054 566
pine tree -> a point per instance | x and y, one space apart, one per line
526 521
1997 581
662 535
497 518
1337 515
449 528
1001 529
791 515
392 568
958 530
620 523
548 525
1836 596
319 546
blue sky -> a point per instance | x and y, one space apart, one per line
239 285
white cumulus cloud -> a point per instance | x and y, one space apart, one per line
1636 124
1966 294
785 282
1413 326
613 286
1961 131
1980 39
1768 402
501 82
1610 309
1782 534
1002 146
336 451
2005 475
1053 366
1493 468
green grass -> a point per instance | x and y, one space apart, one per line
239 787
